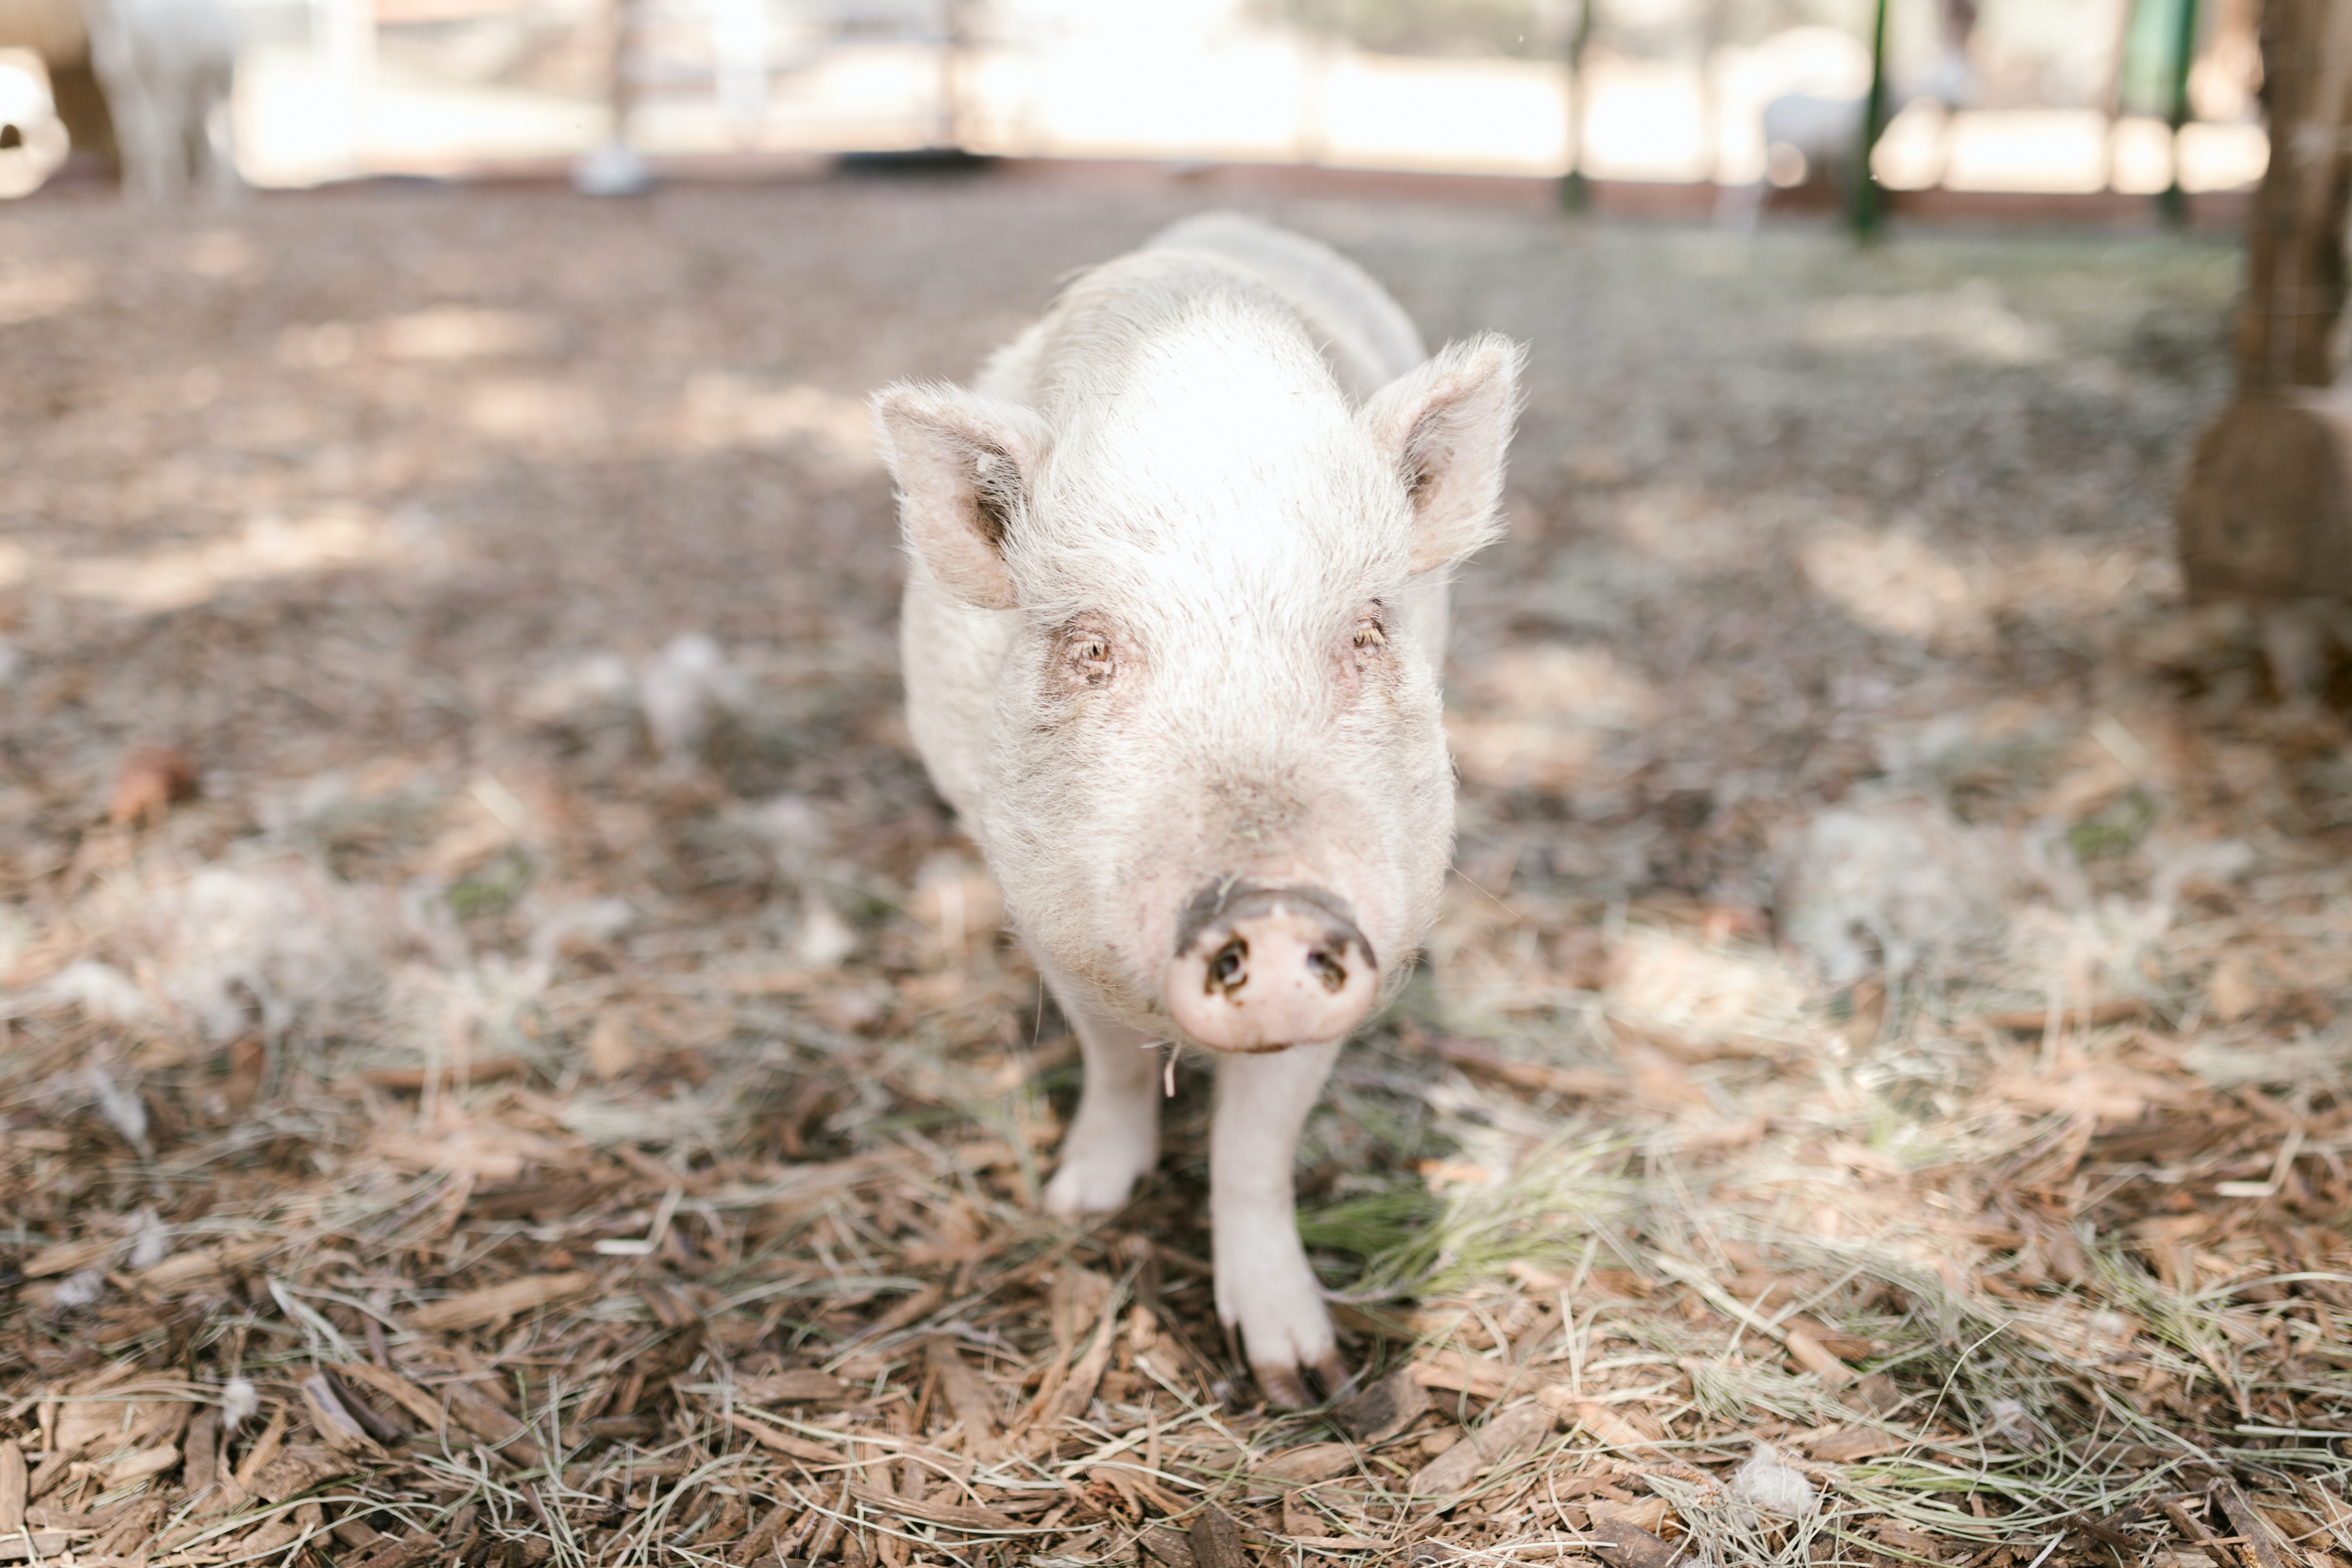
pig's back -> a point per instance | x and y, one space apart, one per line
1366 335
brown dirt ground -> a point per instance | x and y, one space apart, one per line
486 1081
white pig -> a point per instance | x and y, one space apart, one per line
1172 635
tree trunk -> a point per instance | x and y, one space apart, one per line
2267 512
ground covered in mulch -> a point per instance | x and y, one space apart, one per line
506 1060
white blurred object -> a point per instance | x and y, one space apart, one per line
1811 87
121 1107
167 66
33 145
598 687
78 1289
679 687
1768 1482
824 938
616 168
1902 876
240 1402
102 991
150 1240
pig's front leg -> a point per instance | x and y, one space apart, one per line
1265 1287
1114 1138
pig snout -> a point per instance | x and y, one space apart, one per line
1259 969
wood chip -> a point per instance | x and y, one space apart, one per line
1078 1392
335 1421
2198 1535
783 1442
488 1420
496 1304
13 1480
265 1449
1510 1435
72 1257
1814 1357
969 1397
1847 1444
1315 1462
297 1469
1385 1408
397 1389
1602 1423
2249 1522
40 1544
2034 1020
197 1269
1166 1547
1631 1546
1462 1373
151 780
411 1080
801 1386
141 1463
962 1516
1216 1539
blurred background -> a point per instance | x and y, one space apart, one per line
2072 97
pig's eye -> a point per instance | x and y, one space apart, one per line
1089 657
1368 633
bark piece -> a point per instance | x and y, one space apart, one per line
297 1469
1167 1548
802 1385
13 1481
967 1396
1386 1408
397 1389
1216 1539
1513 1433
1814 1357
497 1303
201 1466
1851 1443
335 1421
2198 1535
2251 1524
1631 1546
1315 1462
483 1417
151 780
962 1516
783 1442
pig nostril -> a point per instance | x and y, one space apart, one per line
1328 970
1228 968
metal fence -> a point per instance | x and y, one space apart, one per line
1747 94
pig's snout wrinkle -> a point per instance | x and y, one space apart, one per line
1260 969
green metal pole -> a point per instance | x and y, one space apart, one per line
1866 203
2173 205
1575 194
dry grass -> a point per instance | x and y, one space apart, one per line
511 1090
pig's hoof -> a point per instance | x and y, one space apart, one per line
1286 1388
1091 1183
1287 1334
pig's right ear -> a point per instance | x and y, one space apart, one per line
964 465
1445 427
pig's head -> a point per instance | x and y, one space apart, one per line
1218 788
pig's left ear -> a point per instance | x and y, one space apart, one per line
1446 426
964 465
